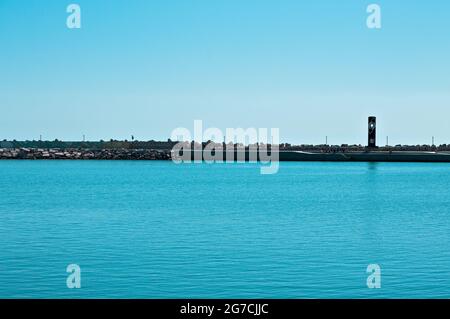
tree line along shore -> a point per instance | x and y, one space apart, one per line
168 145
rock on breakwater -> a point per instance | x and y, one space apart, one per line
84 154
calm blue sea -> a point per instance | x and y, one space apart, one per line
160 230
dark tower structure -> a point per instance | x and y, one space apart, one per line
372 131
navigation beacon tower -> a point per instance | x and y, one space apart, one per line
372 131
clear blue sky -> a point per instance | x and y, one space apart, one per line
145 67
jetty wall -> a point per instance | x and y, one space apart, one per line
283 156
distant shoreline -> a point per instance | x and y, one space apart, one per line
169 144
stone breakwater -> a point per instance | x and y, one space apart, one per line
84 154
